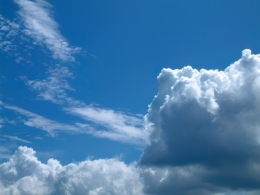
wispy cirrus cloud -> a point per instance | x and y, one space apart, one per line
40 26
102 123
118 126
40 122
106 123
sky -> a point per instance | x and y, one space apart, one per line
129 97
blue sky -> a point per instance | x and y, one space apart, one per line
154 89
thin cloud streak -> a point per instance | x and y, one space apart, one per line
42 28
15 138
42 123
119 126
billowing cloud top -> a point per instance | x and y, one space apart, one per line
208 119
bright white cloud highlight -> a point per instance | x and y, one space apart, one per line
23 174
43 29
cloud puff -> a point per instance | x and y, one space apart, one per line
24 174
43 29
207 123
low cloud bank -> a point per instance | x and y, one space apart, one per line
23 174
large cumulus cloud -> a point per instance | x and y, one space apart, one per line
204 140
23 174
205 130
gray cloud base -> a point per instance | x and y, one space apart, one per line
205 130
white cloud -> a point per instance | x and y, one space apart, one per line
43 29
207 123
15 138
119 126
24 174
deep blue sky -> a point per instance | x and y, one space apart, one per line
134 40
78 83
